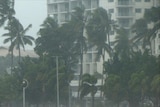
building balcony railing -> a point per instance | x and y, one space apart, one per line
56 1
124 16
124 4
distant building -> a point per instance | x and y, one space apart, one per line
125 12
4 52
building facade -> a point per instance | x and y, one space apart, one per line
124 12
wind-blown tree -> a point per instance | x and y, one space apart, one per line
48 38
147 28
6 14
10 37
139 86
6 11
136 75
88 86
98 29
57 41
123 46
113 88
78 21
155 89
17 35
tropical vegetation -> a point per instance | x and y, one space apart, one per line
132 73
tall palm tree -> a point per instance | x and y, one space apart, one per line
17 35
78 20
10 36
6 14
20 37
88 86
98 29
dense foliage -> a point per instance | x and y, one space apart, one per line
132 74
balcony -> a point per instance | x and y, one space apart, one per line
56 1
123 3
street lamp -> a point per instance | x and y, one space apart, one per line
25 85
93 91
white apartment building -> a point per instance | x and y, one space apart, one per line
124 12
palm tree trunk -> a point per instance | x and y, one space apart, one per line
11 57
81 68
11 61
103 58
92 99
19 50
81 58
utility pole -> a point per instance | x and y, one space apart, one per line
57 81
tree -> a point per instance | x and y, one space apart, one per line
78 21
10 37
6 14
98 29
88 86
17 35
155 88
123 46
6 11
113 88
147 28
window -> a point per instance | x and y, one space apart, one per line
146 10
112 43
95 67
87 68
110 0
88 57
111 10
147 0
124 22
112 32
138 10
124 12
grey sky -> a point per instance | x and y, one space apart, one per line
29 12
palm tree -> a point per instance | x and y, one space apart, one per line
6 14
98 29
123 46
88 86
141 29
10 37
17 35
78 20
6 11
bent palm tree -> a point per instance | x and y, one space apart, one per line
6 14
19 37
6 11
123 46
143 32
98 29
88 86
78 21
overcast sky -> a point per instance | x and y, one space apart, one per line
29 12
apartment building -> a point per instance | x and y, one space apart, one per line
124 12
